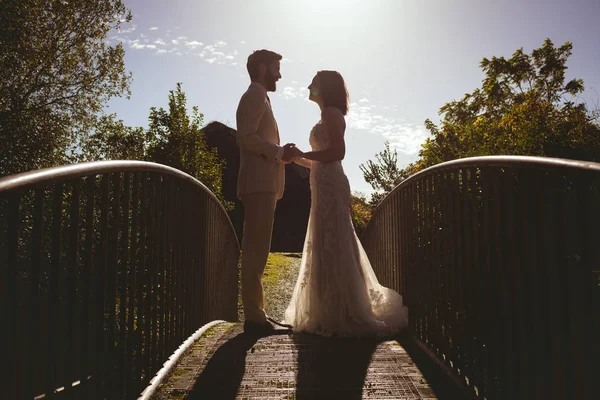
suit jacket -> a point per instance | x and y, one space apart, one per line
258 138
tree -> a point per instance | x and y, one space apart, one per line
383 174
524 107
56 74
173 138
360 212
176 139
113 140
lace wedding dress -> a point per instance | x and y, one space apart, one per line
337 292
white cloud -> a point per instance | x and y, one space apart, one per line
154 28
289 92
193 44
212 53
407 138
128 29
292 92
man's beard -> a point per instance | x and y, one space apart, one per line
270 82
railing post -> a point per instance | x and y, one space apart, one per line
15 382
73 321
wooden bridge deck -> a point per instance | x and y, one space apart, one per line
225 363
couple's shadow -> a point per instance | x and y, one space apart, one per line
327 368
332 367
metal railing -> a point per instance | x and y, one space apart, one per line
107 267
498 260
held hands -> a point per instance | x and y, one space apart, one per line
290 151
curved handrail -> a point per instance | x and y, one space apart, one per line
53 175
494 161
496 258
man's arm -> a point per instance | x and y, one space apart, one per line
248 116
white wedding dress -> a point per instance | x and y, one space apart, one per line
337 292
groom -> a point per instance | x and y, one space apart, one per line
261 181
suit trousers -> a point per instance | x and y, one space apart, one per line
259 213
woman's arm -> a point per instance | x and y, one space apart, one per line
334 125
303 162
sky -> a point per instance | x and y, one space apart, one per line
401 59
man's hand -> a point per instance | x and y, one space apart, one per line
288 153
297 152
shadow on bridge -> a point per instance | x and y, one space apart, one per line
330 368
225 370
325 368
303 366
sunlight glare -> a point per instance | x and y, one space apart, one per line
341 8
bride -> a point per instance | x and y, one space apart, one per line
337 292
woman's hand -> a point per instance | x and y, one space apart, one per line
296 152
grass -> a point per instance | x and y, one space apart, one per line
279 279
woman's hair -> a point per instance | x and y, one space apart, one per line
333 90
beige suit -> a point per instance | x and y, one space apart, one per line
261 181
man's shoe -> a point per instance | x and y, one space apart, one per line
258 328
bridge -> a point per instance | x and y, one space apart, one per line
115 272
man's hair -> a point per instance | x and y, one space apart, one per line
333 90
266 57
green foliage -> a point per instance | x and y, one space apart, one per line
524 107
174 138
383 174
360 212
56 74
112 140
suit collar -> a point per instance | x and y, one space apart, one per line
258 86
